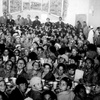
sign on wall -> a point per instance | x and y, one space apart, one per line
5 6
15 6
26 5
36 4
55 7
45 5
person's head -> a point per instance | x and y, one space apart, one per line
22 84
8 65
61 68
89 63
84 23
48 19
21 63
2 85
36 65
26 52
74 51
36 83
71 69
16 52
40 49
37 17
60 18
80 90
48 95
45 47
28 16
4 14
19 16
13 59
47 67
65 84
6 52
35 45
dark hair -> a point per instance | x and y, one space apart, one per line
40 48
36 16
21 59
21 80
36 61
7 63
61 64
47 65
78 87
68 81
51 93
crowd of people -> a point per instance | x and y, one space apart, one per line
38 61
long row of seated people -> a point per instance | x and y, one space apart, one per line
48 61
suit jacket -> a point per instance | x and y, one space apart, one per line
16 95
36 23
3 20
60 25
22 74
28 22
10 22
20 22
35 95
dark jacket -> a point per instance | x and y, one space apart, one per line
16 94
10 22
35 95
36 23
49 77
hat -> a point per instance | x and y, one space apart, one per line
64 56
58 45
35 80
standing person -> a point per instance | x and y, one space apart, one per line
3 19
85 29
10 21
19 92
28 20
78 27
36 23
18 20
91 35
60 23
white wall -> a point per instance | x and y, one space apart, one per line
94 13
76 7
1 8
